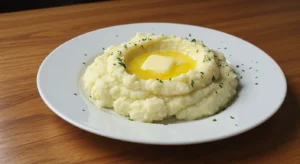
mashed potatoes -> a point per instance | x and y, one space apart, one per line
184 79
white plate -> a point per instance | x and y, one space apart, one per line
263 87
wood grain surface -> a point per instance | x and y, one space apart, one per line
31 133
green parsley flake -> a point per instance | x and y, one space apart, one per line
193 40
213 78
231 117
220 86
121 62
206 58
197 51
192 83
159 80
214 120
142 46
125 46
130 119
169 79
190 35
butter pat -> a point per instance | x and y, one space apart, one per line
157 63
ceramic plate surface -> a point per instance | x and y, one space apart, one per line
262 87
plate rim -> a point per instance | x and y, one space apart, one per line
150 142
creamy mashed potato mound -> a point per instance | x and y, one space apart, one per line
187 80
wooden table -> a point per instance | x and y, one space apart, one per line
31 133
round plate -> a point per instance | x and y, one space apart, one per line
261 92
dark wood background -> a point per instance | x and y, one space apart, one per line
31 133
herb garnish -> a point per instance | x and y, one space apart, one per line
214 120
125 46
130 119
117 35
220 86
206 58
231 117
213 78
192 83
243 70
83 110
250 68
135 44
225 48
256 77
202 73
197 50
144 39
103 48
83 62
256 83
169 79
193 40
142 46
190 35
121 62
75 94
159 80
237 66
216 92
85 54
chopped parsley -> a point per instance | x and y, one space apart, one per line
225 48
193 40
103 48
114 63
120 53
243 70
75 94
135 44
117 35
202 73
237 66
256 77
121 62
216 92
231 117
85 54
214 120
130 119
220 86
197 50
250 68
144 39
192 83
169 79
206 58
83 62
142 46
125 46
159 80
190 35
213 78
83 110
256 83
